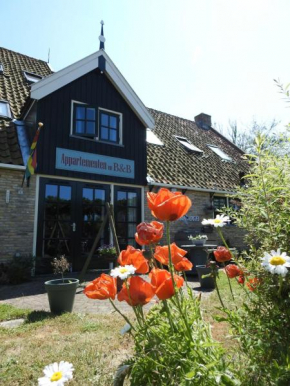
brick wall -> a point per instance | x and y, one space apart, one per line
201 201
17 216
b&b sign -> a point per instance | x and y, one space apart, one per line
79 161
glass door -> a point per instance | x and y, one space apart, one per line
127 214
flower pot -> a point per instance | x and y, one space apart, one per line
207 282
199 242
61 294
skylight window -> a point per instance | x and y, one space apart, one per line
152 138
188 145
5 110
220 153
1 68
32 78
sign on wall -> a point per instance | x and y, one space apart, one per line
79 161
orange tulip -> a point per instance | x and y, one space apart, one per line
104 287
149 233
132 256
183 265
162 254
241 279
141 292
168 206
233 270
162 283
222 254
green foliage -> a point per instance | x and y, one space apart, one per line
8 312
179 357
16 271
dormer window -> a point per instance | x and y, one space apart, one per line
31 78
220 153
5 110
189 146
152 138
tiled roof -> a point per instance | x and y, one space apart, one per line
173 164
14 88
9 148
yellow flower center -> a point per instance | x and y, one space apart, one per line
56 376
123 270
277 260
217 221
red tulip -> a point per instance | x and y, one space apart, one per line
132 256
104 287
222 254
233 270
162 283
141 292
162 254
183 265
253 283
168 206
241 279
149 233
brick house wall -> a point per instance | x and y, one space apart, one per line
17 216
200 201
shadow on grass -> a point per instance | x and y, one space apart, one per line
39 316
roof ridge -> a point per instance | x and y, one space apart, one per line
26 56
172 115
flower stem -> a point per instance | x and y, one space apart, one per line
125 317
218 291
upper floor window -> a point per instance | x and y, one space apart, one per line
189 146
220 153
109 126
98 124
5 109
84 120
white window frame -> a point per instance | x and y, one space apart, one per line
120 126
8 109
220 153
187 144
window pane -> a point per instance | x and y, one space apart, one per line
104 119
121 198
87 195
90 128
50 211
51 192
131 230
132 199
113 122
104 133
80 112
80 127
100 196
91 114
132 215
64 192
113 135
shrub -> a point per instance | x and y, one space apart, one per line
16 271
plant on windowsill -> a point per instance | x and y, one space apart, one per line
61 292
198 240
108 252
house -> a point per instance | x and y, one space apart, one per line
91 150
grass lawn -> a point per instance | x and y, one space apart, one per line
93 343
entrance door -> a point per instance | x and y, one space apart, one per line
70 216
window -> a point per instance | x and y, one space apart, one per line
84 120
220 153
219 203
188 145
31 78
152 138
5 110
1 68
109 126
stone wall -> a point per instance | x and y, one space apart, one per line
191 223
16 216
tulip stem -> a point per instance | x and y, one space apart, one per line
125 317
226 245
218 291
168 315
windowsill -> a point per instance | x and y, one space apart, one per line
96 140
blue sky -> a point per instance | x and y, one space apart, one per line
182 57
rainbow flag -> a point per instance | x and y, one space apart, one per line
32 159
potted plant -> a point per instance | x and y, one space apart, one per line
207 274
108 253
198 240
61 292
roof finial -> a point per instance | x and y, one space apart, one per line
102 38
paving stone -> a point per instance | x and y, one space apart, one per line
12 323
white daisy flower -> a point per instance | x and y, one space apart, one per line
123 272
276 262
56 374
219 221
